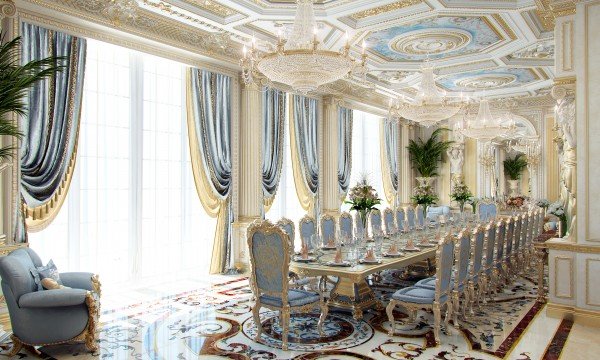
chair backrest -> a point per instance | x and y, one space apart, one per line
288 227
420 210
533 218
410 218
525 226
477 246
444 258
510 235
268 246
400 219
15 271
517 233
388 219
434 211
490 243
327 228
308 228
375 217
487 210
346 224
501 238
463 253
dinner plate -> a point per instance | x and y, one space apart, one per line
398 254
368 262
342 264
307 260
329 248
415 249
427 245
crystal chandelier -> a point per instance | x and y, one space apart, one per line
298 61
120 11
485 127
431 105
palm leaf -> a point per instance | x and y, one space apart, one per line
425 156
515 166
15 82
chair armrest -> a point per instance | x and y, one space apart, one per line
77 280
53 298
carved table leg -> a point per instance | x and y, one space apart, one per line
542 256
355 297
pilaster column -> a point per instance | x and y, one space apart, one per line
331 193
406 173
249 173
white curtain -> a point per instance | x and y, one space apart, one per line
132 211
366 157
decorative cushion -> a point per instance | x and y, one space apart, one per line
51 284
429 283
295 298
417 295
47 271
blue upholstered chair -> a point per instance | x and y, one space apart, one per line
487 210
501 237
327 228
410 218
388 220
44 317
308 228
414 298
488 263
270 262
461 278
476 266
287 226
434 211
508 246
512 248
375 220
420 210
346 224
401 219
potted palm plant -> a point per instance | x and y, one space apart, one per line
513 169
16 80
426 155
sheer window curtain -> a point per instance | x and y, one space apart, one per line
366 157
132 211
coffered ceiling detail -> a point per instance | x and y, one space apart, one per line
504 47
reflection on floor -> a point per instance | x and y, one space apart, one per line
212 319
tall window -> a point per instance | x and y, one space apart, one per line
366 156
132 210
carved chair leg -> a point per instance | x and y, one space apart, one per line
456 309
324 311
255 314
285 326
17 346
437 321
448 316
390 314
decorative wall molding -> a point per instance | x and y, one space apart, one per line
7 9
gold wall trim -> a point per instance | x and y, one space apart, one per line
578 315
565 81
575 248
557 259
384 9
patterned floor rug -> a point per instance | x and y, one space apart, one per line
216 322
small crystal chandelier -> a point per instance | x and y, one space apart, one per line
431 105
485 127
298 61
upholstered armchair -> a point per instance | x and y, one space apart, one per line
48 317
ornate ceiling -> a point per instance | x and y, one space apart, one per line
497 47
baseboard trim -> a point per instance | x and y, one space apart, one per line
578 315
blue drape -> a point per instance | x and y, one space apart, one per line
390 134
274 109
50 129
305 125
345 117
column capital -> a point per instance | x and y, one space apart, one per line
332 100
7 9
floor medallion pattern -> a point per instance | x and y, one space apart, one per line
216 322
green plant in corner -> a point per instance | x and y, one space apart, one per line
515 166
16 80
426 155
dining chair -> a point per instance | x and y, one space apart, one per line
487 209
288 227
388 219
410 218
501 237
345 223
328 230
307 228
486 280
476 266
400 220
420 210
461 279
375 220
508 244
513 260
414 298
269 251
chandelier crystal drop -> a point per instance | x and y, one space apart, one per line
486 127
298 61
431 105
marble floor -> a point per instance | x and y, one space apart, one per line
192 319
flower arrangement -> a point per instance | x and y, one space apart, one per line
363 198
543 203
473 201
558 210
424 195
461 194
515 202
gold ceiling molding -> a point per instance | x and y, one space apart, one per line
213 6
549 10
152 26
384 9
564 81
507 29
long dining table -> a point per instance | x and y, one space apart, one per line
351 291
